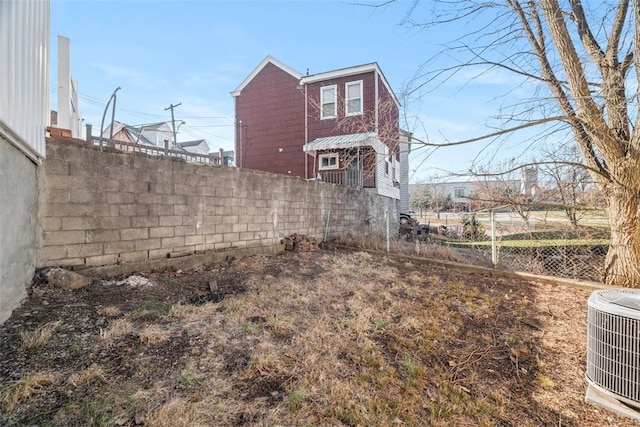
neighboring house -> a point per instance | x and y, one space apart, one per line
227 157
339 126
155 134
461 194
158 135
24 116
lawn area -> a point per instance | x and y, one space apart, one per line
326 338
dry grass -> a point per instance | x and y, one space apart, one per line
39 336
154 334
338 339
109 311
25 388
116 329
92 373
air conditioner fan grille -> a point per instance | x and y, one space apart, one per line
613 354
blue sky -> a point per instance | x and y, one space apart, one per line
197 52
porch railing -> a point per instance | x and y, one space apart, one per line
356 178
154 151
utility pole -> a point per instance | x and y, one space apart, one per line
173 125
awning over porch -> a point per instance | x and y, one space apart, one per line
345 141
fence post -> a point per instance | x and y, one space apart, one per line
494 252
88 133
326 226
388 218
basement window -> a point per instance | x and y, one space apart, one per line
328 161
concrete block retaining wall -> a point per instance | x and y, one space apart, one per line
107 207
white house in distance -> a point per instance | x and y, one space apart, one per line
158 134
460 192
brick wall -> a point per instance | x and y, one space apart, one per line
105 207
271 136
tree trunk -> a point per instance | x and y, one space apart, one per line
622 265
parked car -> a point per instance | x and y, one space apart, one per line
408 217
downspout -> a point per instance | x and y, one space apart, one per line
375 74
306 136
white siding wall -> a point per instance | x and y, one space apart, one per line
384 181
24 74
405 148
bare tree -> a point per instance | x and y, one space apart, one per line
584 56
504 190
567 182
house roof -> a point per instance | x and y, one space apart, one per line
350 71
345 141
265 61
194 143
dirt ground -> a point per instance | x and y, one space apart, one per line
326 338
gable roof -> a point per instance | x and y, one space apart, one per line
350 71
268 59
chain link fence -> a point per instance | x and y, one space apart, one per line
545 244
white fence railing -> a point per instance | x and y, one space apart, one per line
154 150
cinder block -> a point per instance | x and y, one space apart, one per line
231 237
66 209
149 199
84 249
224 245
145 245
118 247
79 223
51 223
185 230
247 235
126 210
49 253
63 237
172 242
64 181
160 210
170 221
86 195
134 234
102 210
174 199
161 232
102 260
111 222
239 244
194 240
239 228
214 238
57 195
56 167
230 219
137 256
121 198
158 253
183 210
145 221
64 262
96 236
183 189
224 193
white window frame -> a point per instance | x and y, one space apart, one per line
335 102
347 99
458 192
335 156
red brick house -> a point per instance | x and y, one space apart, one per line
340 126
